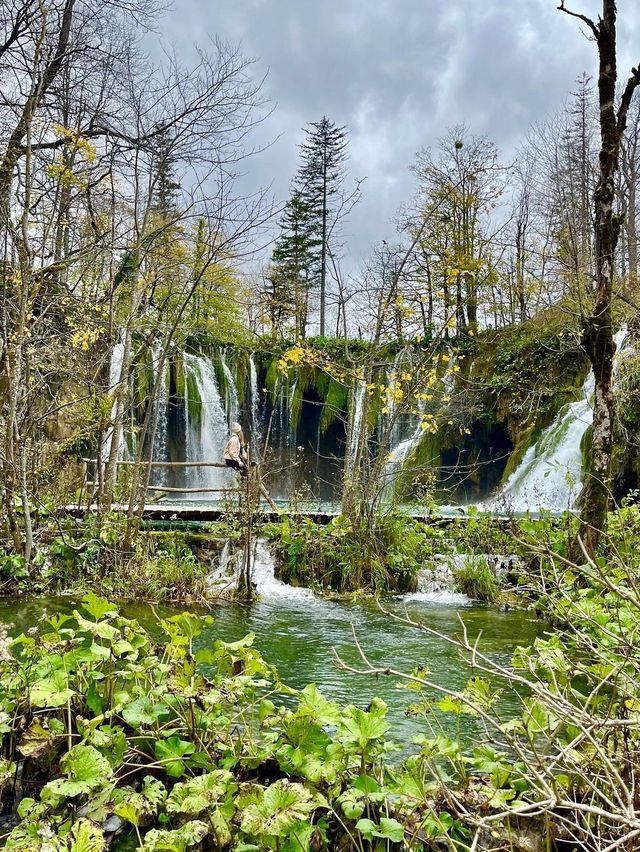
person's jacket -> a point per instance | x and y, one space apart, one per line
233 450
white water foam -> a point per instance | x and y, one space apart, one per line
263 574
442 598
550 473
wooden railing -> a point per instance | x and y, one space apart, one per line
254 472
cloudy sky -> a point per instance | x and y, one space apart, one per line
397 73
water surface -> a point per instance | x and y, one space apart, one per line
296 634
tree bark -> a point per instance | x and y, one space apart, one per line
598 336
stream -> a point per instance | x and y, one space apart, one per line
296 632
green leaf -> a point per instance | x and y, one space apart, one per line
283 804
364 728
314 704
170 753
86 770
51 691
178 840
97 607
85 836
200 793
143 711
391 829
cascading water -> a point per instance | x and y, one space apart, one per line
232 406
356 421
206 424
255 406
115 370
263 576
159 475
224 577
550 474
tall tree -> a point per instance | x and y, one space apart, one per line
296 259
598 337
319 182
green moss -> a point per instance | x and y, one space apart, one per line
336 403
194 403
272 374
178 374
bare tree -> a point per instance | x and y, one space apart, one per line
598 334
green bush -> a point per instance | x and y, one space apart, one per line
476 579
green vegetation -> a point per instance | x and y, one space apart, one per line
114 736
476 579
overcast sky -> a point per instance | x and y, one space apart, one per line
397 73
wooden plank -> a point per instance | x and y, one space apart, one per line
165 464
181 490
191 490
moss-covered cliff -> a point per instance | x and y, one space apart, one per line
510 386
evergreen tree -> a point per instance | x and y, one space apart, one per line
302 250
165 192
295 261
319 181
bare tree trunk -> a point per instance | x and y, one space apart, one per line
598 337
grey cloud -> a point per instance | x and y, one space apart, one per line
397 73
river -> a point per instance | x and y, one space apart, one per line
296 633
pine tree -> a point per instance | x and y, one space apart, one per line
319 181
296 260
165 194
302 250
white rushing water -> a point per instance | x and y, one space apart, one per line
255 407
231 396
224 577
263 576
550 473
207 435
159 476
115 370
356 421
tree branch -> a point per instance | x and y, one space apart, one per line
593 27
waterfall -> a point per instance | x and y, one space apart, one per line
400 453
159 476
255 410
550 473
115 369
255 399
231 395
206 429
356 420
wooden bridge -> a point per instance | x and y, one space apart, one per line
174 513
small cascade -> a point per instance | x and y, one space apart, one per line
550 473
206 424
232 406
224 577
263 576
436 584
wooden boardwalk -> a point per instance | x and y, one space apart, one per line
200 513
